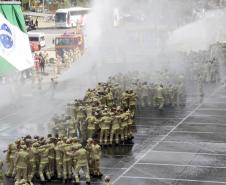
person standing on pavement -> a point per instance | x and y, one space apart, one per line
36 23
1 173
53 87
42 63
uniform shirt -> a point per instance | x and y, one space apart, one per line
12 150
96 151
1 171
115 122
67 148
44 152
81 157
91 122
105 122
22 159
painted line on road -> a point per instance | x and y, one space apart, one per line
157 118
172 179
181 165
163 138
107 168
192 142
195 124
195 153
208 115
154 126
212 109
193 132
216 102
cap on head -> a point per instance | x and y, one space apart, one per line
89 140
35 145
79 146
74 139
22 181
68 141
107 179
24 147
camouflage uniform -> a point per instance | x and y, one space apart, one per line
96 153
115 129
21 164
159 97
81 163
51 156
34 160
1 173
90 155
67 161
44 161
10 159
59 159
105 123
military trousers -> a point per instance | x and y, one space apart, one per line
21 173
43 169
85 169
104 135
91 133
115 133
11 168
67 167
96 167
59 168
31 170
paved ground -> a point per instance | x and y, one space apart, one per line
181 146
190 149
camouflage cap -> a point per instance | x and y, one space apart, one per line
89 139
22 181
35 145
74 139
23 147
79 146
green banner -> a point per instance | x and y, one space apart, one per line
13 13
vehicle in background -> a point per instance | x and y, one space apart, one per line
69 41
69 17
37 37
29 23
35 47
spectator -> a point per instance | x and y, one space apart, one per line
36 22
42 63
37 62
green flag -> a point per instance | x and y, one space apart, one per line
15 52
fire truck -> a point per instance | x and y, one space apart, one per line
69 41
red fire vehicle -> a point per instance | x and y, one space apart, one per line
69 41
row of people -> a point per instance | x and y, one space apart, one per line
103 114
52 157
162 94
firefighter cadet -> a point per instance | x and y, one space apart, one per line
1 173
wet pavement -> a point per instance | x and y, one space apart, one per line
178 146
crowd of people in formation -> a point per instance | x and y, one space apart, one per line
106 114
69 56
203 68
163 90
52 158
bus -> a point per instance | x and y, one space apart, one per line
69 17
